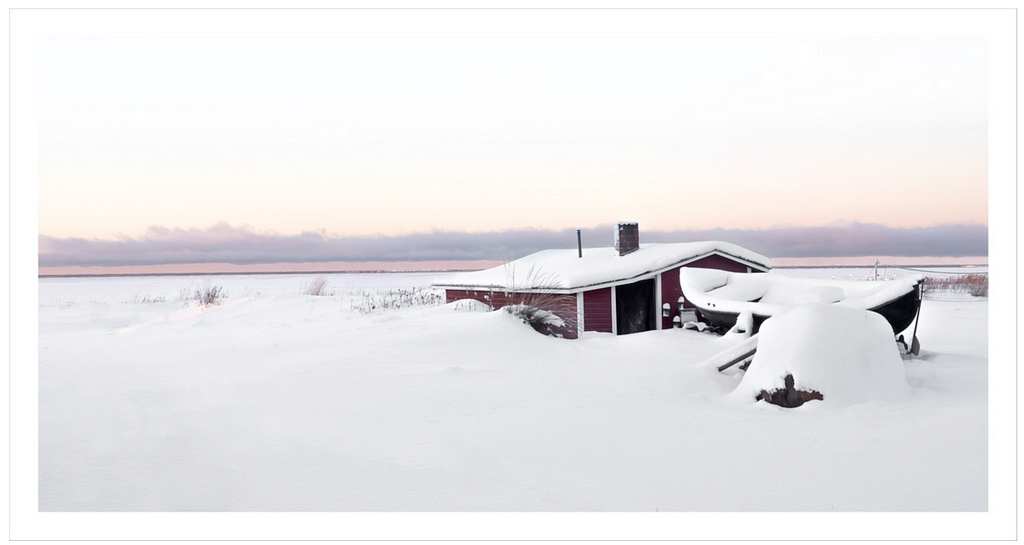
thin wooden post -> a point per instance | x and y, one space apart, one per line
920 301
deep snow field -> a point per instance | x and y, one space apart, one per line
279 401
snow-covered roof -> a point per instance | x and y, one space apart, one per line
564 270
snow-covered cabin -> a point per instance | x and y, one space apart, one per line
628 288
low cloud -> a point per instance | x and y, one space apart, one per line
223 243
852 239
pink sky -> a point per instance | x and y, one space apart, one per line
738 134
147 134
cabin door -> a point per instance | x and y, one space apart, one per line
634 306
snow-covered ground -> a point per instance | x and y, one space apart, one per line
279 401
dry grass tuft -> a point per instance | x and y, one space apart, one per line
317 287
532 299
975 285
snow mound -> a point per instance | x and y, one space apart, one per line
189 312
468 305
848 355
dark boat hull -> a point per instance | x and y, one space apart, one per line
899 312
725 320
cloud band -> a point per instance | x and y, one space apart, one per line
223 243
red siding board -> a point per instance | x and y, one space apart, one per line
670 292
597 310
718 262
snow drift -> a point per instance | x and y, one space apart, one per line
280 401
848 355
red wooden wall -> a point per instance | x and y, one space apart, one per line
597 310
670 293
563 305
717 262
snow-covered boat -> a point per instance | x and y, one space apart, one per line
721 296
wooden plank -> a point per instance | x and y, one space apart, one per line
738 360
737 353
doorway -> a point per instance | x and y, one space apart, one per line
634 304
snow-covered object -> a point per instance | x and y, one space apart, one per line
535 316
733 354
848 355
744 326
769 294
699 326
564 270
821 294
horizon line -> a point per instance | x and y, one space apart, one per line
377 267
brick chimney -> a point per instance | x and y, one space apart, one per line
627 237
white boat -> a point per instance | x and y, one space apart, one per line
721 296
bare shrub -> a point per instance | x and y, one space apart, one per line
317 287
204 297
210 296
542 321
